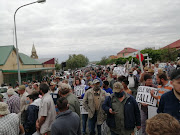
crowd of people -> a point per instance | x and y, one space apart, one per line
52 106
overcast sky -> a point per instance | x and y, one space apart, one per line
95 28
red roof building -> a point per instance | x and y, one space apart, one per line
125 52
175 44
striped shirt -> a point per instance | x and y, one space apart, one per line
14 104
163 89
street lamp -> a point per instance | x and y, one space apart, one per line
17 51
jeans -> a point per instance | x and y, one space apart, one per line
84 120
91 125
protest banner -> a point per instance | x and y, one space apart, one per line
79 90
120 71
104 128
82 110
144 96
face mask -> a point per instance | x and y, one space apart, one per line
131 74
27 102
119 94
96 88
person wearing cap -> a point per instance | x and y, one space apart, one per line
47 113
23 105
65 91
9 122
170 101
88 78
13 101
92 102
54 92
122 110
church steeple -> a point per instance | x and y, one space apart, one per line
33 53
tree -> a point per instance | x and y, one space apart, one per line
57 65
76 61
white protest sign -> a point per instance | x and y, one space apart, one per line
144 96
79 90
104 129
82 110
119 71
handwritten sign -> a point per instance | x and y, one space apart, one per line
144 96
82 110
79 90
120 71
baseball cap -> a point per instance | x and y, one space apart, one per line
96 81
117 87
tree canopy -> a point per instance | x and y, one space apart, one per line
76 61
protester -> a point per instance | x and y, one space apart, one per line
29 89
144 106
106 87
133 83
13 101
94 76
64 91
67 122
170 69
36 87
32 113
23 105
88 78
54 92
9 122
169 102
47 111
162 124
122 112
163 87
79 88
92 102
151 72
125 83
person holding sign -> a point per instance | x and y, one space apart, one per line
122 112
144 107
78 88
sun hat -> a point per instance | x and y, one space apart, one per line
4 108
10 91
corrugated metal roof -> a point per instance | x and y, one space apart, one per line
26 60
42 60
4 53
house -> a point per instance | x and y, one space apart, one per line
125 52
175 44
30 69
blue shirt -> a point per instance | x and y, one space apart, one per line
109 90
169 104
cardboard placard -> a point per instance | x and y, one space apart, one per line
79 90
82 110
144 96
